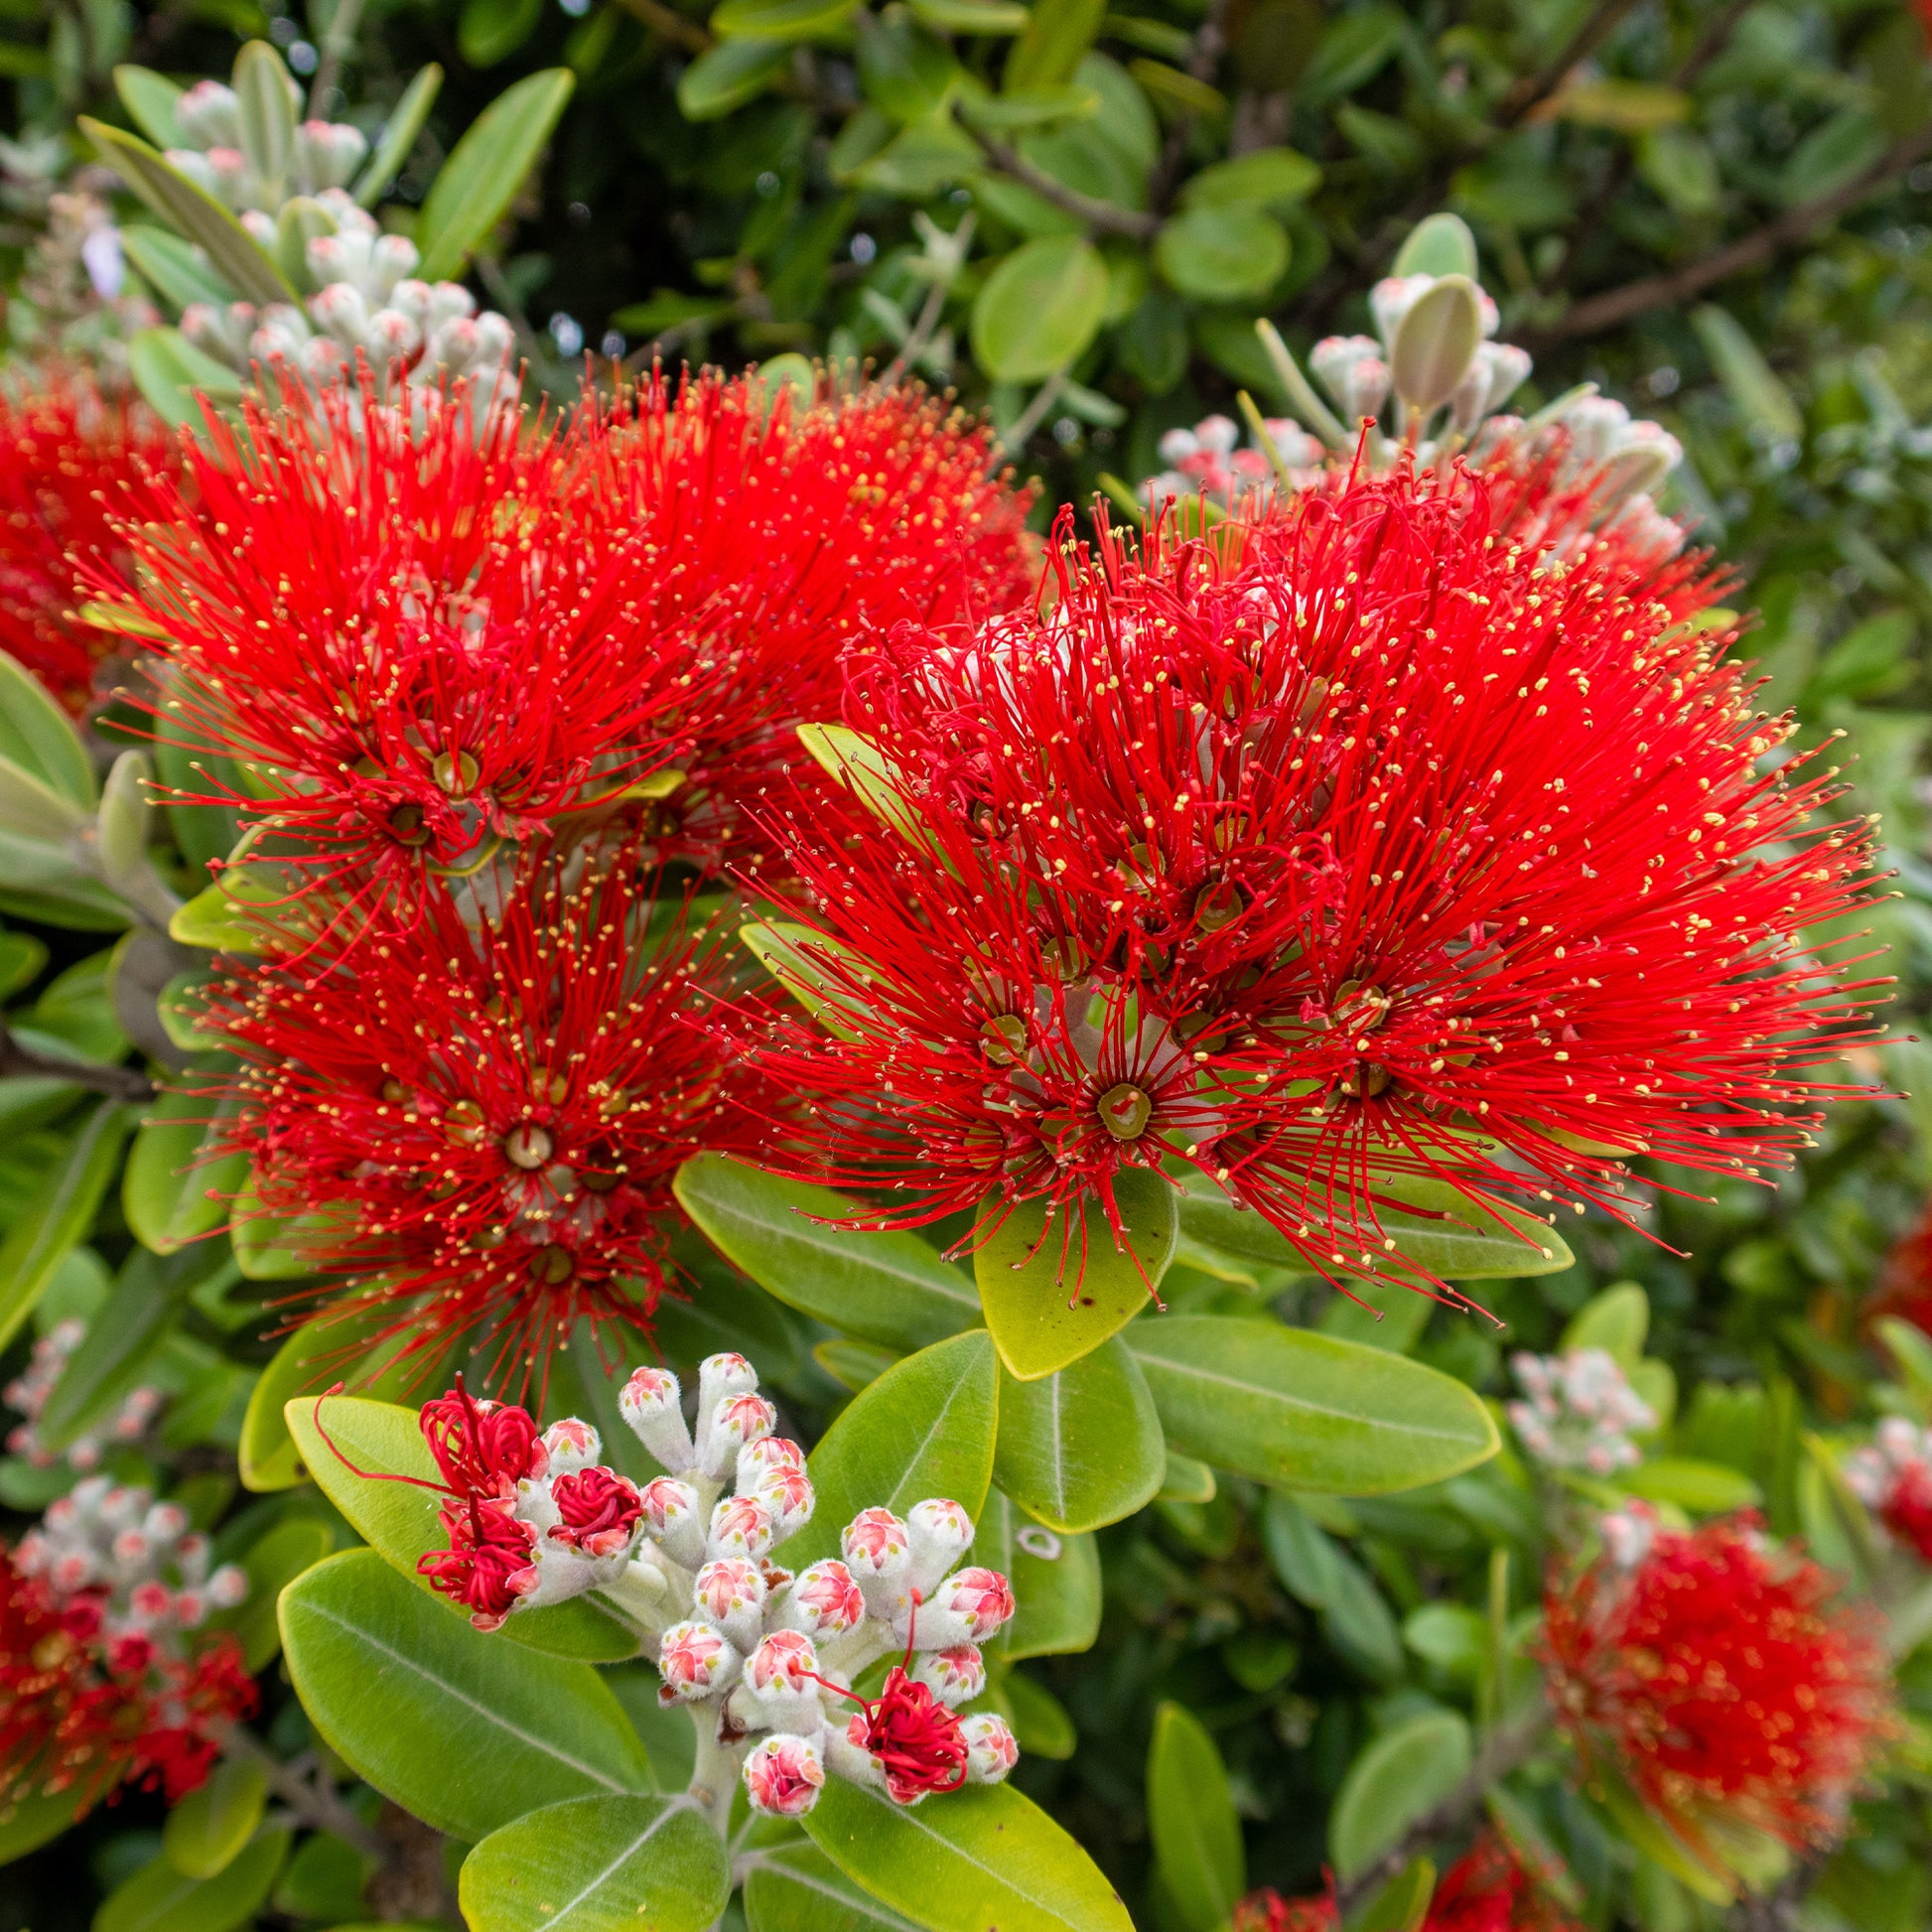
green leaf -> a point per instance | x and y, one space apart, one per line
294 1545
173 375
1440 246
859 765
466 1732
1615 1320
206 1830
1704 1488
1656 1841
802 962
60 1218
1628 106
1307 1411
1056 1581
333 1347
1055 40
728 76
1436 342
266 101
1040 307
1267 177
1041 1725
598 1864
1219 251
1763 401
796 1888
398 1520
1082 1447
1404 1773
1190 1816
924 1429
1053 1291
149 98
971 16
1317 1571
778 20
172 1193
32 810
1402 1905
193 212
29 1823
158 1898
39 737
488 31
887 1286
1832 155
486 168
986 1857
398 136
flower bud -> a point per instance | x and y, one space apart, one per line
968 1608
790 1497
823 1601
879 1554
731 1593
939 1532
991 1750
784 1775
735 1420
649 1404
766 1458
1497 371
328 153
719 1376
209 115
339 311
571 1445
672 1519
740 1526
954 1676
694 1660
777 1689
1352 371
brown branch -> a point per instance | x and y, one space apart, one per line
1612 307
1210 42
117 1082
312 1801
1530 93
1107 216
670 23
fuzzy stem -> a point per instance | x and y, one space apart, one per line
714 1771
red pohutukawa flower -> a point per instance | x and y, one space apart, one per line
1487 1890
769 532
1265 1910
1719 1676
486 1122
395 627
1382 848
66 456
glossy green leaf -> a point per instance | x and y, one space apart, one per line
1056 39
1221 251
265 104
398 1520
209 1828
1615 1320
40 738
1041 1725
158 1898
1040 307
728 76
61 1218
859 765
970 16
886 1287
486 168
1436 342
796 1887
1402 1774
330 1348
466 1731
193 212
29 1823
489 31
1402 1905
173 1193
398 136
149 98
1082 1447
924 1429
1053 1291
173 375
1704 1488
778 20
598 1864
987 1858
1190 1816
1055 1582
1319 1571
273 1562
1440 246
806 964
1267 177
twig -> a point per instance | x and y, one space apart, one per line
117 1082
336 46
1507 1746
932 307
1614 306
671 24
1530 93
1778 1909
1104 215
313 1800
1034 413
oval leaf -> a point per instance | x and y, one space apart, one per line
778 20
598 1864
1440 246
1056 1581
987 1856
1307 1411
1404 1773
887 1286
172 1192
1219 251
924 1429
729 75
39 737
209 1827
1190 1816
1040 307
61 1217
1083 1447
1434 342
1053 1292
796 1888
158 1898
481 176
462 1730
173 375
149 98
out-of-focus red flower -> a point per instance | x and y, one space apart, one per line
395 627
75 1716
68 453
1904 1285
1719 1677
769 533
484 1122
1313 861
1489 1890
1265 1910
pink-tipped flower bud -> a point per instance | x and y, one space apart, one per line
824 1602
878 1553
968 1608
227 1587
764 1458
694 1660
991 1750
732 1595
938 1531
571 1445
209 115
955 1676
784 1775
328 153
779 1689
672 1520
735 1420
790 1497
648 1402
719 1376
740 1526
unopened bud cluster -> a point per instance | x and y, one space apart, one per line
1208 461
27 1393
1892 1477
1580 1412
326 154
130 1574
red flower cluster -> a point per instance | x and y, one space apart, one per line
67 454
77 1715
484 1123
767 533
1718 1677
1378 845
